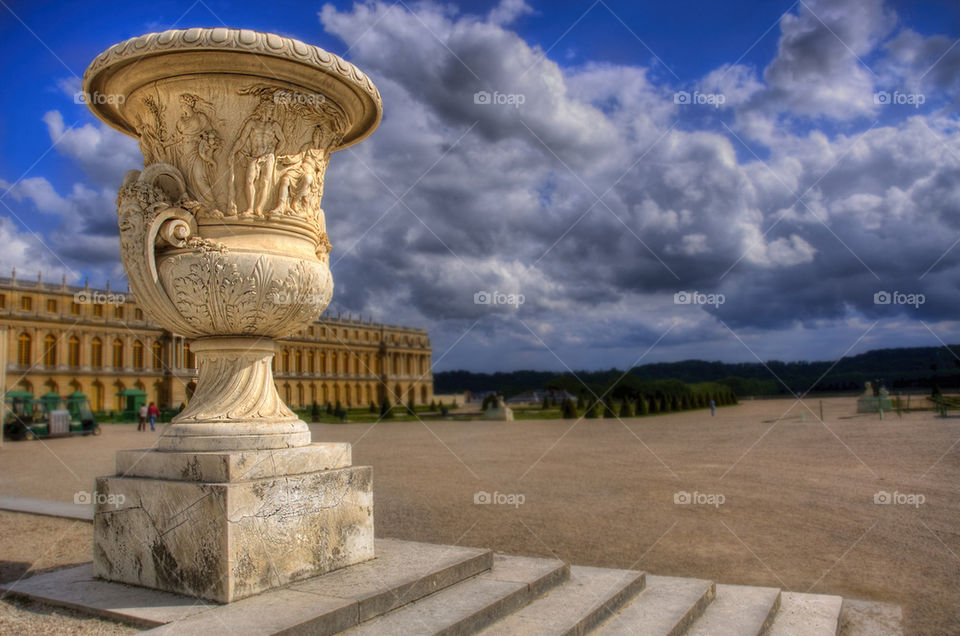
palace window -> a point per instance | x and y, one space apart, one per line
3 301
137 355
98 311
299 361
191 359
311 362
50 351
96 353
138 314
157 349
74 309
118 312
26 303
51 306
24 344
97 396
117 354
286 361
73 352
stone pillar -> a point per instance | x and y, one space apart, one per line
224 242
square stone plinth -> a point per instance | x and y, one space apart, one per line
227 540
232 466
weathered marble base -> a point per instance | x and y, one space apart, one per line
173 528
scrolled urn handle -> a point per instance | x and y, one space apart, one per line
151 216
175 232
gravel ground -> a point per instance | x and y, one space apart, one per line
32 545
798 507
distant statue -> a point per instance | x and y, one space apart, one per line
874 400
499 411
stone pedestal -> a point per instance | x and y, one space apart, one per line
225 525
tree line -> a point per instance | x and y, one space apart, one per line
901 368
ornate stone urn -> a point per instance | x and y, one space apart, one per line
224 241
222 233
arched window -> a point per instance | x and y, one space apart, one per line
191 359
311 362
138 314
137 354
73 352
24 345
409 365
96 355
286 363
157 349
118 354
299 362
300 400
50 351
333 363
286 393
323 363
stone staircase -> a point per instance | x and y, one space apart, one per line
417 588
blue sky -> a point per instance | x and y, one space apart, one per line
805 181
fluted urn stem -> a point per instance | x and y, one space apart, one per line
236 405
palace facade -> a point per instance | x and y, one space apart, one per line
62 338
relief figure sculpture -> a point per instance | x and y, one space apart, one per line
255 153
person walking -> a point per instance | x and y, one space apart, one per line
142 426
152 413
713 408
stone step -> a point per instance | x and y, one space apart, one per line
587 598
471 605
666 607
738 610
403 571
807 615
